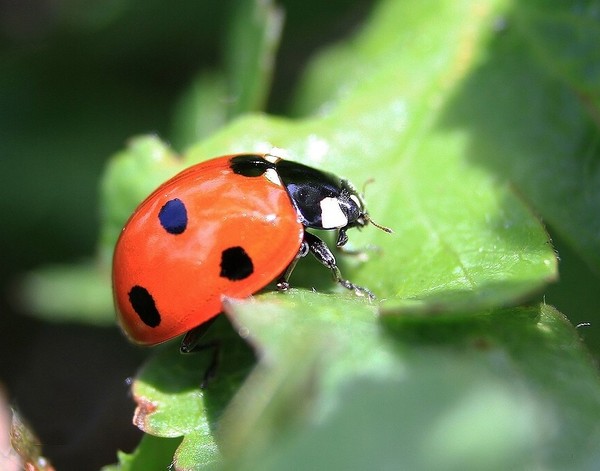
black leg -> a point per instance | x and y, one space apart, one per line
361 254
342 238
191 343
322 253
283 281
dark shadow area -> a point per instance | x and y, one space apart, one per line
529 126
70 384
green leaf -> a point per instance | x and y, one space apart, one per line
462 393
215 98
171 403
250 54
200 111
529 108
151 453
563 37
69 293
308 344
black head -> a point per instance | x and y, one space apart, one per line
353 206
323 200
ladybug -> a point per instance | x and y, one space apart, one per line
225 227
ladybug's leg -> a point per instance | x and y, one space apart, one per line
191 343
342 238
322 253
283 281
360 254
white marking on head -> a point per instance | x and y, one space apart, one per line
356 199
272 158
272 175
332 215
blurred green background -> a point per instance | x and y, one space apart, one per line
77 79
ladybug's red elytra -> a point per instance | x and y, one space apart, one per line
227 226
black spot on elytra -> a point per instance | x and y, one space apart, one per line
250 165
173 216
236 264
143 304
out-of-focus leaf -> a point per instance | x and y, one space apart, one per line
201 110
215 98
171 403
69 293
530 107
250 54
151 453
429 393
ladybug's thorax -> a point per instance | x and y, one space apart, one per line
322 200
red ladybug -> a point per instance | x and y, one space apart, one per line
227 226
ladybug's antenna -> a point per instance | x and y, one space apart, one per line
366 216
378 226
364 188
